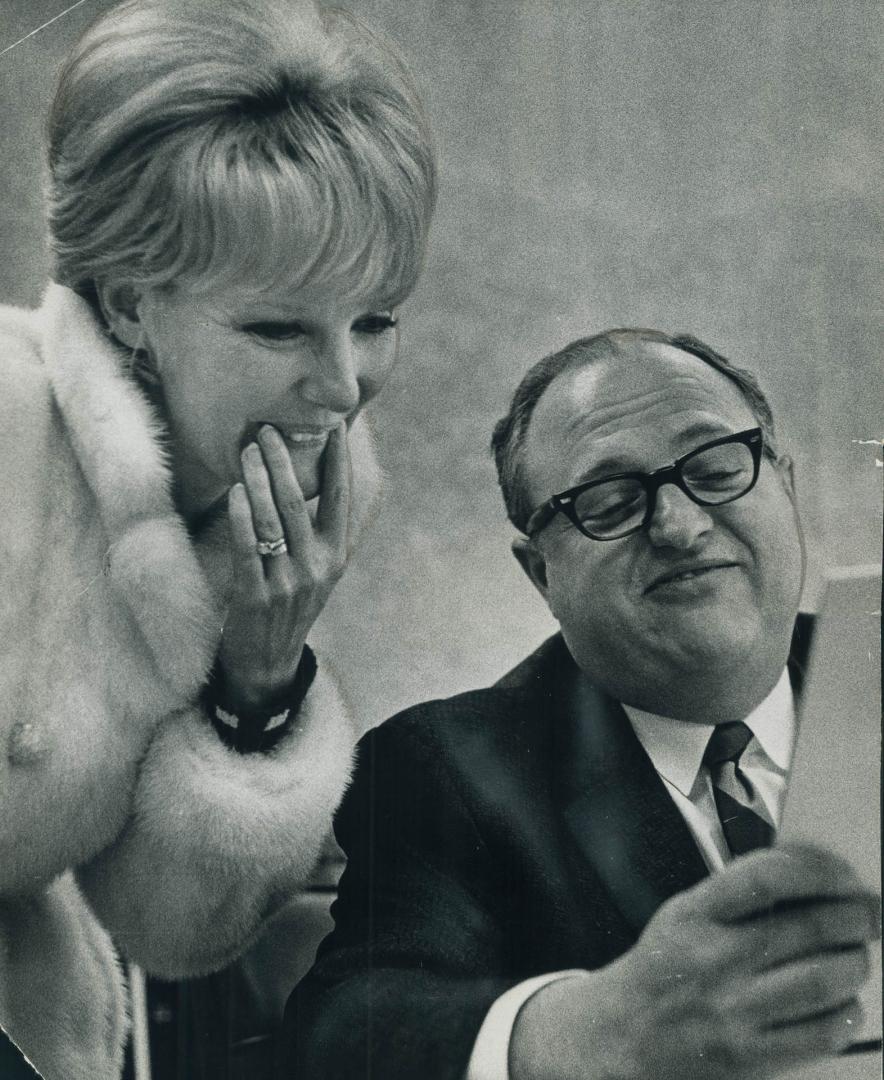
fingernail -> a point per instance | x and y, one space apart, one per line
252 449
267 430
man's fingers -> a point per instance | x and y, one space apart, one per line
249 573
827 1033
754 883
802 930
808 987
333 517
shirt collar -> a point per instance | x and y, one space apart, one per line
676 747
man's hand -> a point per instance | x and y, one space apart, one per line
277 598
752 971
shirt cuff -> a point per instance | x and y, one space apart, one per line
490 1057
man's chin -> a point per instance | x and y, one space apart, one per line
696 671
718 635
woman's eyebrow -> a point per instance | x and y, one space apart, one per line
285 310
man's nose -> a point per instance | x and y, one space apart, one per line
332 382
677 520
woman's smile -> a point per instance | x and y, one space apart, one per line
305 436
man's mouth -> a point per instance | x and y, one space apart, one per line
688 573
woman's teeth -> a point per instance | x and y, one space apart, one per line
306 438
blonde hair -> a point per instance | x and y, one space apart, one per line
203 143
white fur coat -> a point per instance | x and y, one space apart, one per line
122 816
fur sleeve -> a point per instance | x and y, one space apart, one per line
217 839
62 993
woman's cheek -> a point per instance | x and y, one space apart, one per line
378 370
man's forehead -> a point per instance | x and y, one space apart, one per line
616 406
648 364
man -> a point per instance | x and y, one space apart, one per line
528 893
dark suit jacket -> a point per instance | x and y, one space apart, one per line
490 837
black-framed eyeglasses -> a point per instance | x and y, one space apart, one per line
713 474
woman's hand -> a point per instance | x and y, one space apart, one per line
277 598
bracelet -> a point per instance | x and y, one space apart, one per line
260 730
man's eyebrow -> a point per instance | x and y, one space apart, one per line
608 466
705 431
692 437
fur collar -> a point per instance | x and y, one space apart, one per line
114 434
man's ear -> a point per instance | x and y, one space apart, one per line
531 560
786 468
120 308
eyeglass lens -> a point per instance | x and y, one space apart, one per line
715 475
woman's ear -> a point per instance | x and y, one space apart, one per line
531 560
119 306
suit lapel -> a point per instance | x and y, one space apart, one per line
618 810
624 828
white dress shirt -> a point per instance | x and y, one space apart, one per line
676 750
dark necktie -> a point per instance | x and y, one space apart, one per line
744 818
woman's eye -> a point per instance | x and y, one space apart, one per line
290 331
275 331
375 324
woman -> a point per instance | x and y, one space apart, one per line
239 201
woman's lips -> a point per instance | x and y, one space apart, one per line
306 438
307 448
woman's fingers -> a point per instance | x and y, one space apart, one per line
266 516
249 575
286 491
264 513
317 553
333 517
278 597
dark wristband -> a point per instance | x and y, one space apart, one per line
260 730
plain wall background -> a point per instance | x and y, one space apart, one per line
694 165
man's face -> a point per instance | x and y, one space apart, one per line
693 613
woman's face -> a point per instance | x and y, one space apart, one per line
229 362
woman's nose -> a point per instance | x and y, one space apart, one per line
677 520
332 381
